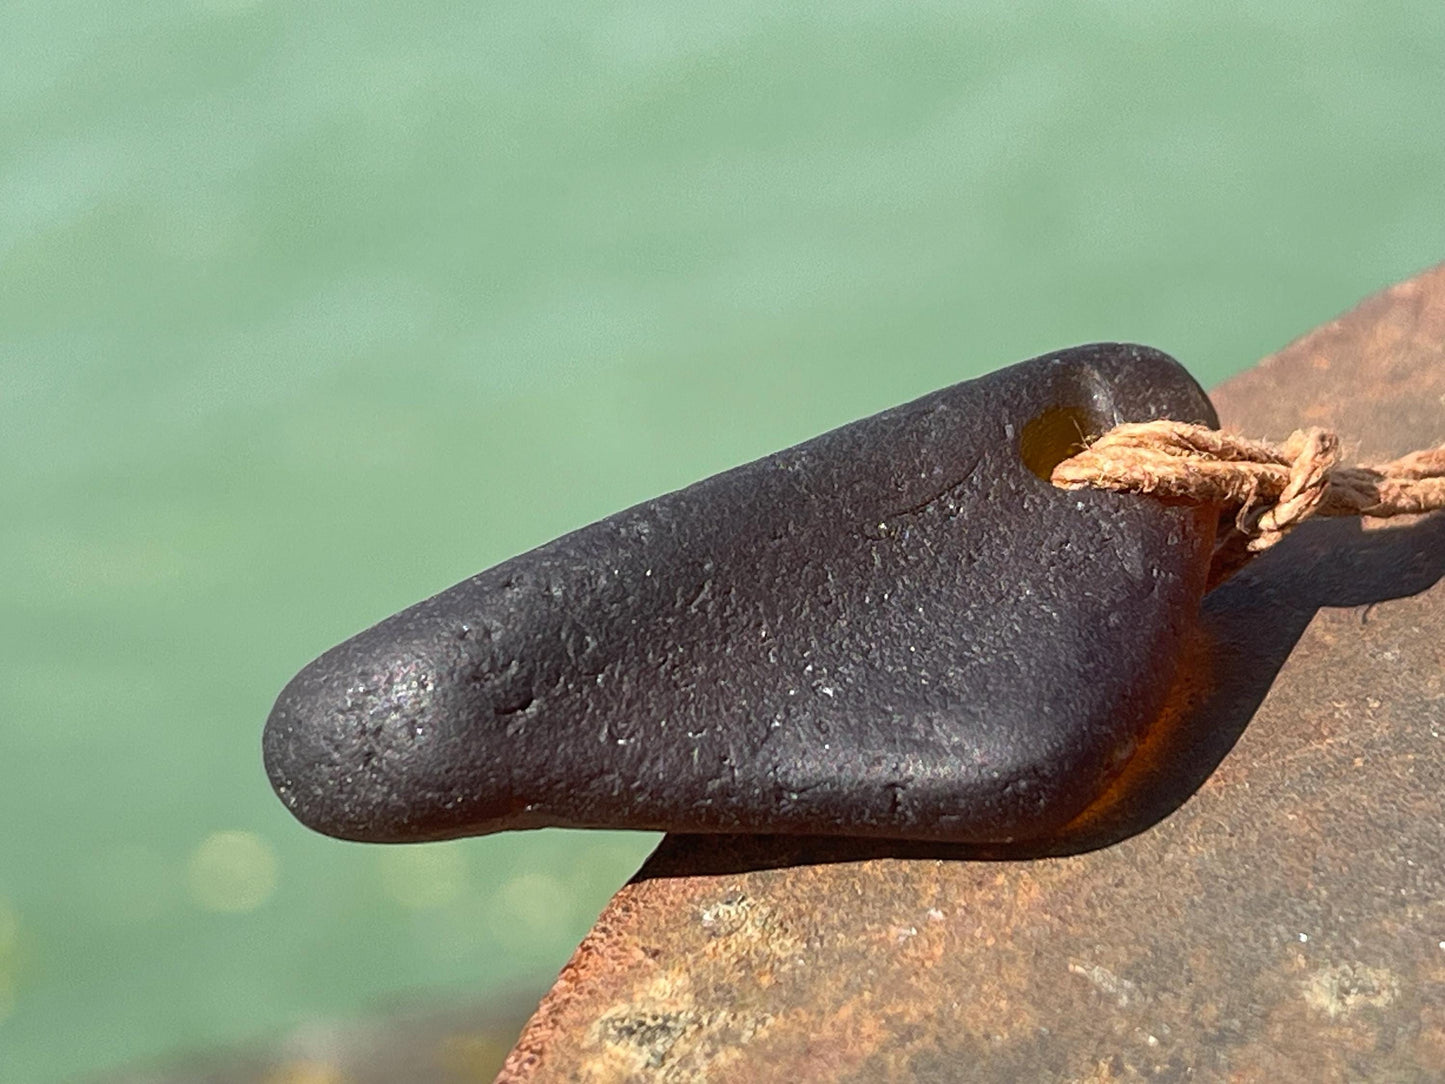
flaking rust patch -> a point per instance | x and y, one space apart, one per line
1106 982
662 1034
638 1039
727 916
740 926
1342 990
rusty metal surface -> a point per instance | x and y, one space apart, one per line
1272 902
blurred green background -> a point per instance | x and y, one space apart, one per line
308 311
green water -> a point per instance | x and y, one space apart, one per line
308 311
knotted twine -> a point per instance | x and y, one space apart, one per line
1265 490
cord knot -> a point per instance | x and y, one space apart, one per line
1313 454
1264 490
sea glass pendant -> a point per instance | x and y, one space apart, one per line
898 629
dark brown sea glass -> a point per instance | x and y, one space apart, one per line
897 629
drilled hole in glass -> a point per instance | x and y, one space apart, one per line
1052 436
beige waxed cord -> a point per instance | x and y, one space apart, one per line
1264 489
